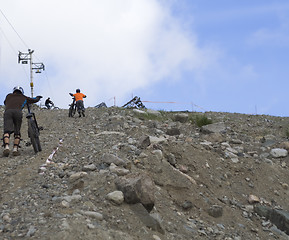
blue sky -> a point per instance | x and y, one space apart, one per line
204 55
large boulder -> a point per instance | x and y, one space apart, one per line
137 188
278 217
214 128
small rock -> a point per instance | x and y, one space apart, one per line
6 218
253 199
187 205
181 117
116 197
158 153
65 204
90 167
214 128
155 237
92 214
215 211
173 131
183 168
279 152
31 231
77 176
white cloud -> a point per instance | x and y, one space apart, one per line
106 48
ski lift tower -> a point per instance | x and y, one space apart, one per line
24 58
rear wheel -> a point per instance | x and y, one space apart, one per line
33 134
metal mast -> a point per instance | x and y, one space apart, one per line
24 58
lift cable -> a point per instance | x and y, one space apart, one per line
10 44
13 28
13 49
22 42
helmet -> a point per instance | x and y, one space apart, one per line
18 88
78 90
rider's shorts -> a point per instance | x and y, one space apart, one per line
12 121
80 105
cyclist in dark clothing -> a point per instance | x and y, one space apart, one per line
14 103
48 103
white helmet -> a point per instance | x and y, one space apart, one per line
18 88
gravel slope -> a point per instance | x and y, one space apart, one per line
201 190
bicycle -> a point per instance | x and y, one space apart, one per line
51 107
33 130
72 108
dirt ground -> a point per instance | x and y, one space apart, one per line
202 181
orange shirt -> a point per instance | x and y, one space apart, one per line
78 96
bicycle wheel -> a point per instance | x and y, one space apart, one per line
36 136
33 134
38 141
72 111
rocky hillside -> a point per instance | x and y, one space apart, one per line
127 174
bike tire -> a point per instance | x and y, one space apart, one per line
36 137
38 142
72 111
33 134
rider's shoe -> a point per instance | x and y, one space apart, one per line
79 115
15 152
83 114
6 151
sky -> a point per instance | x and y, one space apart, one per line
176 55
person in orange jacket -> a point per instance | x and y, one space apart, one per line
79 102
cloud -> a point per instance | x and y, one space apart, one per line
106 48
271 37
275 34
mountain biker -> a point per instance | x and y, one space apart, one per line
48 103
14 103
79 102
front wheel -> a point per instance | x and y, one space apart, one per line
33 134
72 111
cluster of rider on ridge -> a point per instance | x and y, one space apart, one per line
14 103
